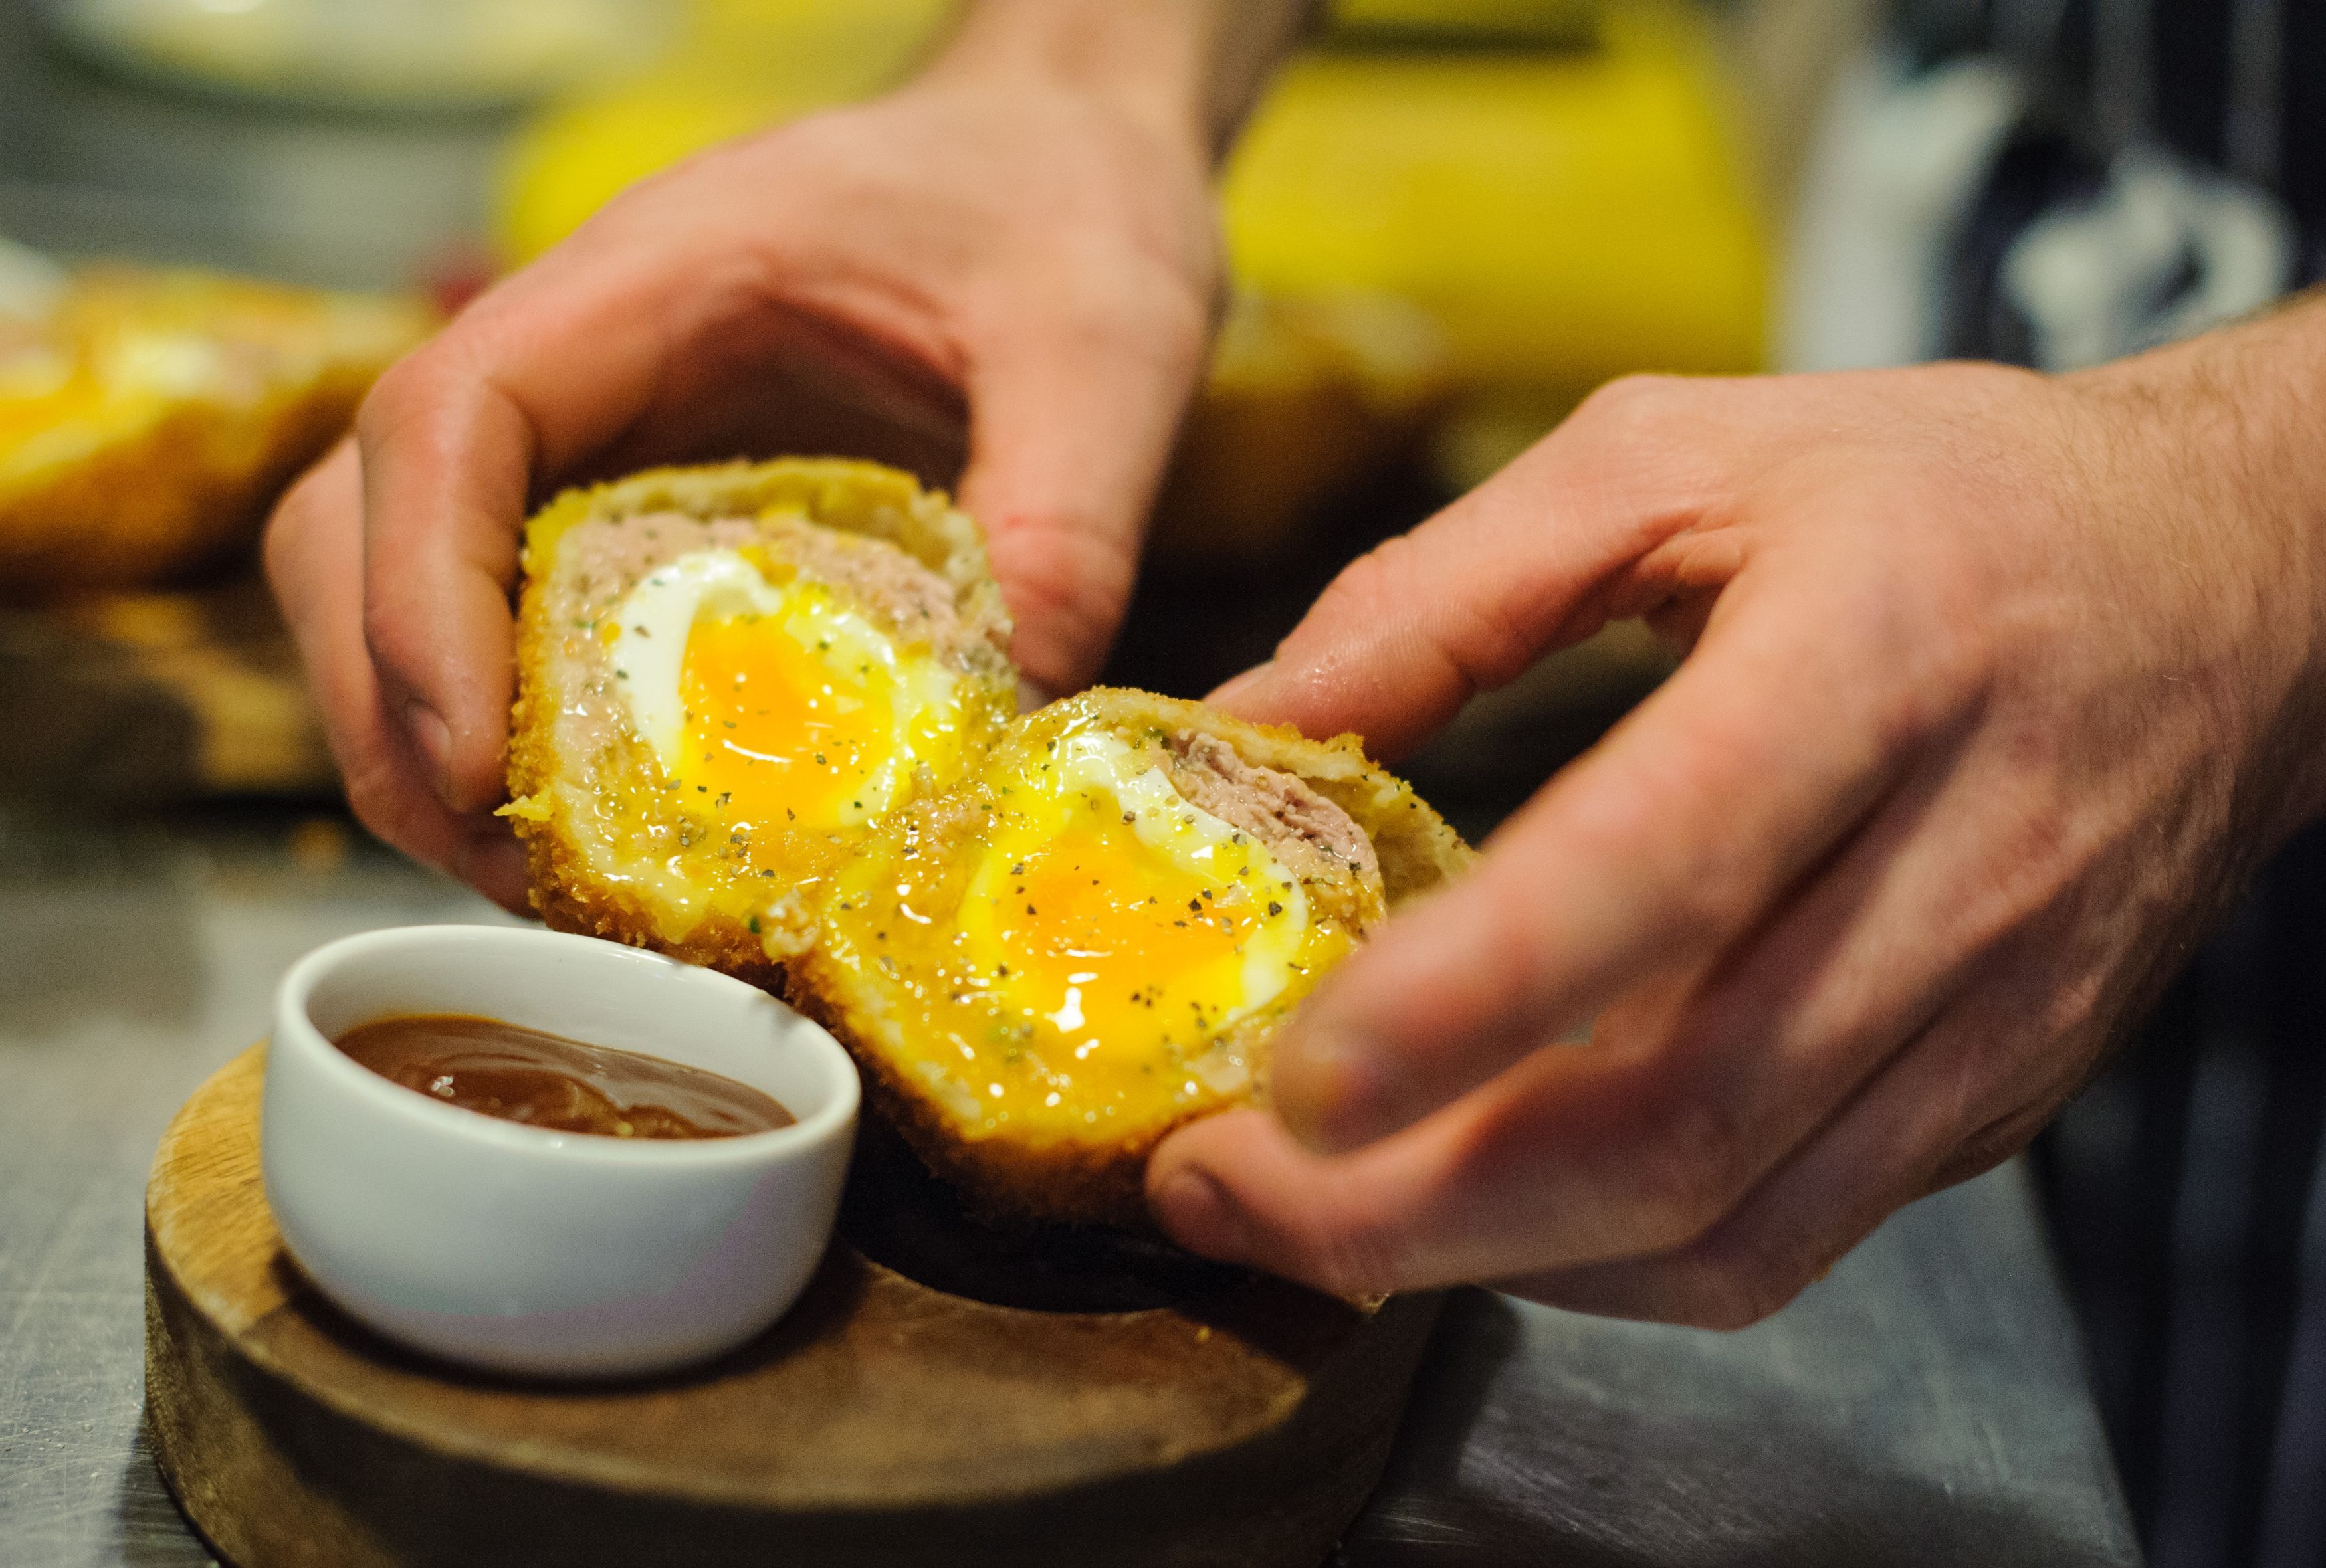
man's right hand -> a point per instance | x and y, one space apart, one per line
1998 682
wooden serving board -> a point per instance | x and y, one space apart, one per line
883 1421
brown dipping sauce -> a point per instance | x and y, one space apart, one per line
520 1074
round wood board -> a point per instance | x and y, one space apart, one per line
881 1422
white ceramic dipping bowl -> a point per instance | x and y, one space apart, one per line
537 1252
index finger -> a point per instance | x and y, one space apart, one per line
1591 523
660 341
314 561
452 438
1666 843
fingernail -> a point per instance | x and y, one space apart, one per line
1198 1214
432 739
1031 696
1250 681
1334 1092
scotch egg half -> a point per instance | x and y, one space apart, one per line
148 417
726 676
1091 939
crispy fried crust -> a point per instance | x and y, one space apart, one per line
1008 1183
857 498
1103 1182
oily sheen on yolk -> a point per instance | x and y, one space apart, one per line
788 738
1108 937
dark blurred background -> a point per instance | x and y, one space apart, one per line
1449 220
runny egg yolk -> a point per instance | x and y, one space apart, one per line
774 732
776 704
1104 937
1122 920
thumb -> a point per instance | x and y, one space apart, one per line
1070 428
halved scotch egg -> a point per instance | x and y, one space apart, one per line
726 676
1091 939
148 418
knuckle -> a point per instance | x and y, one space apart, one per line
1487 645
400 646
1365 593
1633 406
396 412
1736 1286
400 388
1684 1173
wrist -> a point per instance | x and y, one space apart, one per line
1183 71
2235 420
2283 463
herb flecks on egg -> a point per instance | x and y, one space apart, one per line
1108 920
726 676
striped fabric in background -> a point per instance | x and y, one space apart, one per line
2145 169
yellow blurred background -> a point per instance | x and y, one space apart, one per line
1555 187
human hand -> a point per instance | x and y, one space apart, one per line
1998 684
1004 265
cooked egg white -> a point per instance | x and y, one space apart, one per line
775 704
